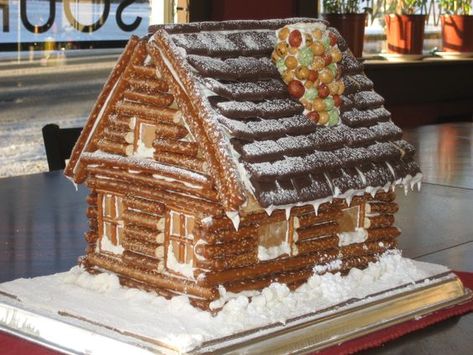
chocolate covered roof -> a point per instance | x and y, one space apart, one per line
278 153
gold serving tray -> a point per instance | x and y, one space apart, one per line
321 332
310 332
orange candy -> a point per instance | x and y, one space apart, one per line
325 76
319 105
336 55
283 33
291 62
323 117
317 48
309 84
333 87
281 49
302 73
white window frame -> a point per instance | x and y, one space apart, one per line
182 239
114 221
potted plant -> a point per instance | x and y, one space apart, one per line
457 25
405 23
349 19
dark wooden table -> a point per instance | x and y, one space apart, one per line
42 222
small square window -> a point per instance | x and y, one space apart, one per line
272 234
350 219
147 134
180 253
273 240
350 230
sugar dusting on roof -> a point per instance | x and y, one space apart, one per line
270 144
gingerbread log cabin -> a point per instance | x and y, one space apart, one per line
238 154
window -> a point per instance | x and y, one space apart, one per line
145 133
350 219
45 34
110 210
180 254
274 239
350 224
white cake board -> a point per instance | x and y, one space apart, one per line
72 319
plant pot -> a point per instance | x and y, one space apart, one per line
352 28
457 33
405 33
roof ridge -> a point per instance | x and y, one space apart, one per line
269 24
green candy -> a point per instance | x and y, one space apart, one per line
333 68
281 66
333 117
326 41
305 56
311 94
329 104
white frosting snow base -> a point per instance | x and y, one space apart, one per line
177 323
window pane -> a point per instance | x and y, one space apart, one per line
108 206
189 226
273 234
176 250
118 207
175 223
147 134
273 240
107 230
349 219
